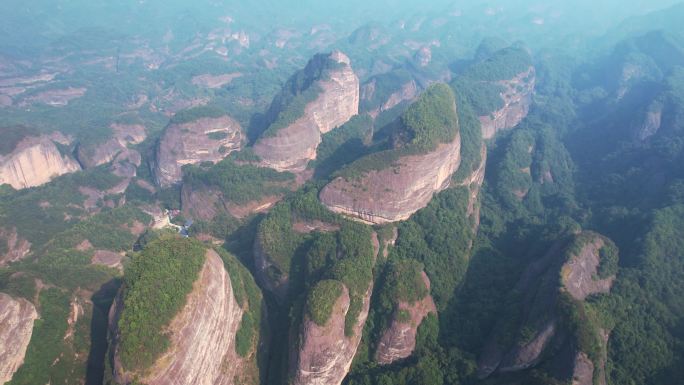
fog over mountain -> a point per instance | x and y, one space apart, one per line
325 193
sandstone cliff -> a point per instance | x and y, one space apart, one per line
16 247
205 139
202 335
291 147
404 181
399 340
567 274
517 97
325 353
16 326
34 161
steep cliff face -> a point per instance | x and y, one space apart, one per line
569 272
16 326
202 335
35 161
325 353
205 139
405 180
399 340
372 95
336 100
517 97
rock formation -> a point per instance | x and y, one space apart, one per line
34 161
291 147
205 139
399 340
16 326
91 155
576 263
403 184
202 335
517 97
325 353
16 247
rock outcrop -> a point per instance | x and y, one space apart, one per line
202 335
91 155
205 139
291 147
16 326
517 97
576 263
16 247
34 161
404 183
325 353
399 340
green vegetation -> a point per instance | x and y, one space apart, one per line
196 113
342 145
12 135
244 338
217 135
429 121
384 85
238 183
404 281
46 342
608 266
501 65
321 300
165 270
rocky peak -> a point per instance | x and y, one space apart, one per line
391 185
322 96
517 98
194 139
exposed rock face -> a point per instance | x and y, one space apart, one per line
408 92
16 326
394 193
651 123
17 247
517 97
35 161
202 334
278 284
124 135
541 293
325 353
293 146
399 340
202 140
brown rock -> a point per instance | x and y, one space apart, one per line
192 143
399 340
394 193
202 334
292 147
16 326
17 247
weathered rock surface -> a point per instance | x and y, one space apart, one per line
399 340
16 247
293 146
101 153
16 326
651 122
203 140
325 353
394 193
408 92
540 316
202 334
35 161
517 97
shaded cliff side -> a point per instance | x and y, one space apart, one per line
321 97
556 329
391 185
